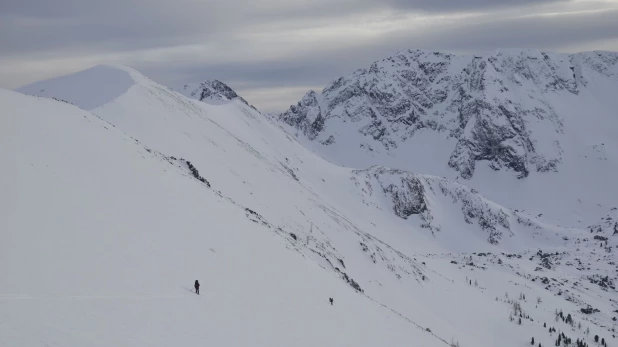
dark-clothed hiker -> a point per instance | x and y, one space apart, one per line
197 287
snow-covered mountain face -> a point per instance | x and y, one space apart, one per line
494 106
150 190
517 113
213 92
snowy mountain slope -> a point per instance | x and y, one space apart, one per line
103 237
486 118
319 211
213 92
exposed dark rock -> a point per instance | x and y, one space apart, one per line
196 173
589 310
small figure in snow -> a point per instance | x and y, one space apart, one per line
331 301
197 287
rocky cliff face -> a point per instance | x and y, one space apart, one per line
429 197
498 107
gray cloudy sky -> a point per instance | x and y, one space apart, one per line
273 51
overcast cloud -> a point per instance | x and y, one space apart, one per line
273 51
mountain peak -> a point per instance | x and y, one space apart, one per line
87 89
211 91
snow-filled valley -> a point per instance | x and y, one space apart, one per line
119 192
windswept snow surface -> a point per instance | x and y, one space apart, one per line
105 213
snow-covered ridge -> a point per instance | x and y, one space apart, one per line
501 108
112 81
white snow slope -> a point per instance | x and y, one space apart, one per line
102 239
108 227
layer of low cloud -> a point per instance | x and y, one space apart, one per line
272 51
